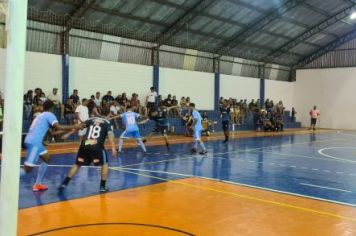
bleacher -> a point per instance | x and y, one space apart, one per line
179 127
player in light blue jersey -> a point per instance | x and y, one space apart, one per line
33 142
130 121
197 126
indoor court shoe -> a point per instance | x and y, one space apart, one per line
103 190
39 187
61 188
194 150
203 152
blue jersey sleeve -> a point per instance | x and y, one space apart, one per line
51 119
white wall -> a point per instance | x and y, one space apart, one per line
239 87
281 90
333 91
90 76
41 70
199 86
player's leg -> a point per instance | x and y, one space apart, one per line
32 154
165 135
83 158
197 135
136 135
39 186
225 127
148 137
121 140
73 171
104 175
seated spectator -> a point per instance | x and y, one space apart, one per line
279 108
135 103
267 103
208 125
108 98
251 105
69 111
28 100
174 111
125 100
114 111
97 99
75 98
187 101
56 99
183 102
37 97
168 101
159 101
294 112
221 101
174 101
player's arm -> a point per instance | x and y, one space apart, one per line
57 126
172 107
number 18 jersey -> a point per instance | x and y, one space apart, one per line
97 130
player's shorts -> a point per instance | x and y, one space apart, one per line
160 130
197 134
131 134
88 154
33 152
313 121
225 125
82 132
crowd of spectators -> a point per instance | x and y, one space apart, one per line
267 116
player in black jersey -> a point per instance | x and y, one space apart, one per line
160 117
92 148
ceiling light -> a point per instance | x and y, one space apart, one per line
353 16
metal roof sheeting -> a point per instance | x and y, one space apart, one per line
214 26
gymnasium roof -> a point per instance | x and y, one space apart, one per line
284 32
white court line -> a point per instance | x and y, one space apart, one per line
240 184
325 187
341 133
321 152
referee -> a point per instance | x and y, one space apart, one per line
225 118
151 100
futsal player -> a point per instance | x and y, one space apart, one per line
160 117
92 148
225 119
34 146
197 126
130 119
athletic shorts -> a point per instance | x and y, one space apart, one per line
160 130
131 134
313 121
225 125
197 134
33 152
88 154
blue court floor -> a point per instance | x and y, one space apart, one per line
320 166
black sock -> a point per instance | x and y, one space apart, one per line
102 183
66 181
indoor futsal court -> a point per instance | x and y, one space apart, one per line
186 117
